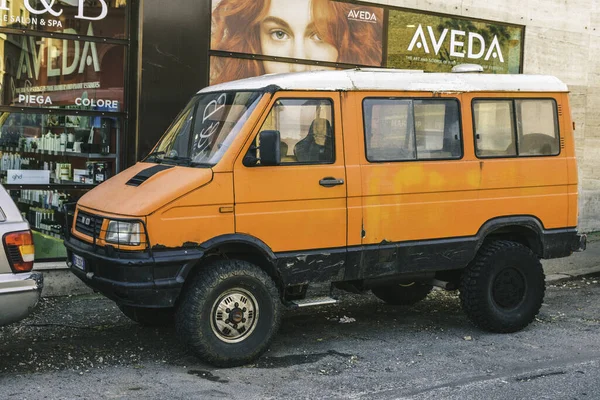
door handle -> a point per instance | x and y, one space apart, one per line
331 182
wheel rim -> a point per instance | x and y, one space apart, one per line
509 287
234 315
407 284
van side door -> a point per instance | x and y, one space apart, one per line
417 187
298 208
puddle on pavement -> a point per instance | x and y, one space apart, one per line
295 359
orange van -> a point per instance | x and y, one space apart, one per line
270 192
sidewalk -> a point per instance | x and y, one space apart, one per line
63 283
583 263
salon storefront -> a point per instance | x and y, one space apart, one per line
63 106
88 86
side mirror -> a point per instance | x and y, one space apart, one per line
270 153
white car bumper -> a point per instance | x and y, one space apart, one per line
19 294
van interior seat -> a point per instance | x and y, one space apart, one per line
538 143
284 148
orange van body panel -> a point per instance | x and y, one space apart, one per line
284 206
287 209
420 200
202 214
116 197
569 139
352 145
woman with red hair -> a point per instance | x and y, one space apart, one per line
316 30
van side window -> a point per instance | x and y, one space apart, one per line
508 128
407 129
437 128
494 129
537 127
306 130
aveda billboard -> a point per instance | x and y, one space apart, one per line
254 37
437 43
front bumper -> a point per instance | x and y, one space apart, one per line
19 294
151 279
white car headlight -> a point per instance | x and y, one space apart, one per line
124 233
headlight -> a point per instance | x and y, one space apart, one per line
124 233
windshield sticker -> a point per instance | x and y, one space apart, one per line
211 122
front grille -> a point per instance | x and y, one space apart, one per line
88 224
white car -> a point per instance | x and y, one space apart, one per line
20 289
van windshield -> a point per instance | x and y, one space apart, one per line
205 129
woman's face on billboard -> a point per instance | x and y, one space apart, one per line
289 31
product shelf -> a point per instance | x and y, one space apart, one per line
50 186
89 156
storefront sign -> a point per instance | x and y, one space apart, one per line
48 72
48 8
66 16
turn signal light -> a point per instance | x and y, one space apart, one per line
19 250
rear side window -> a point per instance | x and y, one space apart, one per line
494 128
509 128
537 127
412 129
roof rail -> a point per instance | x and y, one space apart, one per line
467 68
405 71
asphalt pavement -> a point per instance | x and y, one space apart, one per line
82 347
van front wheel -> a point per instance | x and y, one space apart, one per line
502 290
229 313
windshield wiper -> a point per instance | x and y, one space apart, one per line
200 164
179 160
155 156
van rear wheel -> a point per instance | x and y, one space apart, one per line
229 313
402 294
502 290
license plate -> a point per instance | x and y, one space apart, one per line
79 262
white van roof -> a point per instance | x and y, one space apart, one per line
396 80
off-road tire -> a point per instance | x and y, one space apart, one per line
503 288
149 316
194 315
402 295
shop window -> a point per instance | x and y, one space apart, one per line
67 74
406 129
50 159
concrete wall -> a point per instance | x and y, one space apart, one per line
562 38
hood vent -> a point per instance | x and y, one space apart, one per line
146 174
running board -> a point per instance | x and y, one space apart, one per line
315 301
